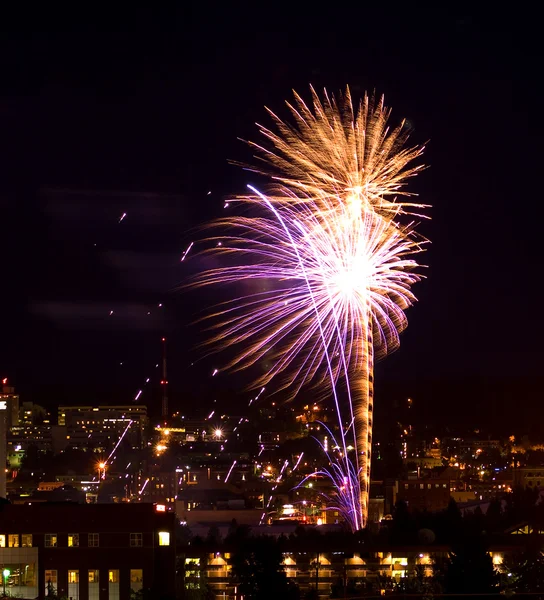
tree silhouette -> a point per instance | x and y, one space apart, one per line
214 536
469 568
403 527
258 571
493 516
527 568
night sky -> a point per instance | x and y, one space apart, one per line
142 120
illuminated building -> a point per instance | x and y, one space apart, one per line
9 417
532 477
33 429
162 488
424 494
101 426
22 436
11 399
88 552
325 566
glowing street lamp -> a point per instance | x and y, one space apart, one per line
102 470
218 433
5 574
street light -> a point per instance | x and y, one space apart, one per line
5 574
102 470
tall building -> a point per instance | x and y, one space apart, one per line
102 426
11 400
9 417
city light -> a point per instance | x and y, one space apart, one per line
330 241
102 470
5 574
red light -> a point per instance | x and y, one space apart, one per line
164 339
5 380
163 382
160 508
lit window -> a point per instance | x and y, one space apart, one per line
26 540
73 540
51 540
73 576
13 540
93 575
164 538
406 486
136 540
94 540
136 575
50 577
113 576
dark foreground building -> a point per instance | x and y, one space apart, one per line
87 552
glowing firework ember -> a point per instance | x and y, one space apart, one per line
328 262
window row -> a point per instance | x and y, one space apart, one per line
51 540
93 576
422 486
14 540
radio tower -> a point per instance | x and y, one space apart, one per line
164 382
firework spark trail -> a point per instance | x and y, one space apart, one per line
230 471
184 255
298 461
332 257
141 390
278 480
118 442
256 397
143 487
286 462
